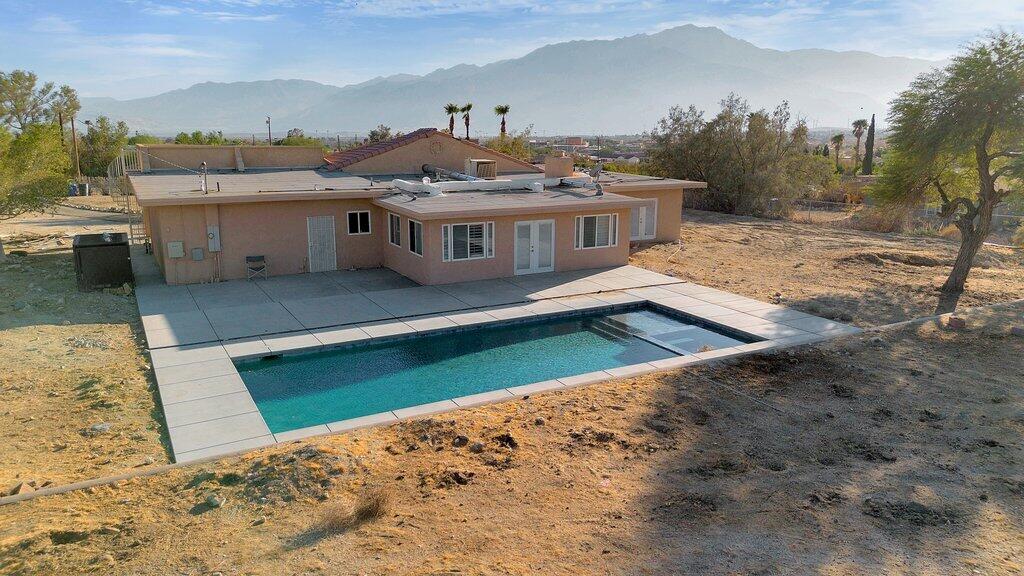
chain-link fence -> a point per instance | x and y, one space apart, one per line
925 220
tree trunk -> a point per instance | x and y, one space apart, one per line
949 294
972 235
869 149
3 254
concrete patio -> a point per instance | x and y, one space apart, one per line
196 332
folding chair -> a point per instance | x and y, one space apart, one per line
255 266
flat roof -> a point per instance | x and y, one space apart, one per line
641 180
181 187
502 202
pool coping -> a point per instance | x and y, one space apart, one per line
228 420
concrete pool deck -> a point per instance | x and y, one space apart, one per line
197 332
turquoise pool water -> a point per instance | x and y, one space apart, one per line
304 390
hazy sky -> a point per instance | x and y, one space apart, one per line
130 48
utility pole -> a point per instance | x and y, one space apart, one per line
339 142
60 122
74 142
270 139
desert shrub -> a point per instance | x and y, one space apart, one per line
342 518
1018 236
949 232
515 144
752 160
876 219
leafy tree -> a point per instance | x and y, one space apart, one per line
748 158
643 168
502 110
21 102
297 138
465 116
101 143
958 133
33 170
65 106
869 149
145 139
515 144
211 138
451 109
837 146
380 134
859 126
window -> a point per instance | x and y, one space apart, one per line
416 237
467 241
395 229
359 222
598 231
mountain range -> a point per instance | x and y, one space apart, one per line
620 86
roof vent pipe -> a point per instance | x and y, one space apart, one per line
429 169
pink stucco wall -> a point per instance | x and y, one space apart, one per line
431 269
670 208
276 230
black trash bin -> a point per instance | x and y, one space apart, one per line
102 260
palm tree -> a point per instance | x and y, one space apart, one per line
465 116
451 109
859 126
837 144
502 110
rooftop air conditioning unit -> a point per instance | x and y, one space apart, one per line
482 168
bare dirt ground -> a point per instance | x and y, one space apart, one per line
71 364
896 453
865 278
96 202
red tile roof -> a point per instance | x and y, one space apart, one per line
339 160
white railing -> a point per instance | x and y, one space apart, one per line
129 161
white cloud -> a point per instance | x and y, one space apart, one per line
430 8
54 25
219 10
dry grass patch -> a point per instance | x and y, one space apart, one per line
371 506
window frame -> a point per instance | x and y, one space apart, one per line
369 222
412 236
393 229
448 241
613 231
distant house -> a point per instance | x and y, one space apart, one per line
434 208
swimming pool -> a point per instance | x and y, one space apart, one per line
304 390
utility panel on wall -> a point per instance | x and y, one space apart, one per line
176 249
213 238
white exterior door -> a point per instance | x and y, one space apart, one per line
323 254
535 246
643 221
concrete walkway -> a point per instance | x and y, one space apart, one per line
197 332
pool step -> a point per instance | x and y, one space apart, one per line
609 330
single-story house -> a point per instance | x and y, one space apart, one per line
432 207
